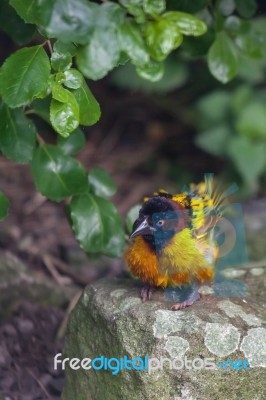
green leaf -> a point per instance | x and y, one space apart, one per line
175 76
101 183
57 175
89 109
17 134
187 24
248 157
24 75
132 43
214 107
222 58
67 20
4 206
73 144
48 89
100 55
64 113
97 225
61 47
249 46
13 25
74 79
226 7
252 121
162 37
132 215
153 71
246 8
25 10
61 61
154 7
42 108
134 7
214 141
60 94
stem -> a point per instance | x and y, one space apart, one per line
40 139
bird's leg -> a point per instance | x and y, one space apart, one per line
190 299
146 292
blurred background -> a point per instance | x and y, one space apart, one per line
151 135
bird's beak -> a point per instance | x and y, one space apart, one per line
142 229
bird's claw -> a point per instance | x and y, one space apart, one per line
181 306
146 292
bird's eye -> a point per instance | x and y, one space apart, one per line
160 222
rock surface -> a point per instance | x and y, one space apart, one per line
110 320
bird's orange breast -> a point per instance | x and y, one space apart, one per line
142 260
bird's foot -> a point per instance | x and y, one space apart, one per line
146 292
181 306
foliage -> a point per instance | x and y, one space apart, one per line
71 40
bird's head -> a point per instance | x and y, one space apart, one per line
160 218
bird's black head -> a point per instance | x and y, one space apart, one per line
160 218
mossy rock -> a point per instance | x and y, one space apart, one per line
110 320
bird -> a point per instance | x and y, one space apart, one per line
172 243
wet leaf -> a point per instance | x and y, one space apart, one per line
97 225
57 175
17 134
18 86
101 183
64 113
222 58
73 144
89 109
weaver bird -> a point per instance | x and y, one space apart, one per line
172 241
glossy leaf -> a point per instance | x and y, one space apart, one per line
13 25
214 140
153 71
222 58
100 55
97 225
73 144
42 108
162 37
252 121
4 206
61 47
134 7
101 183
89 109
26 10
67 20
73 79
153 7
226 7
61 61
132 43
249 46
186 23
132 215
60 94
64 113
24 75
17 134
246 8
57 175
175 76
248 157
